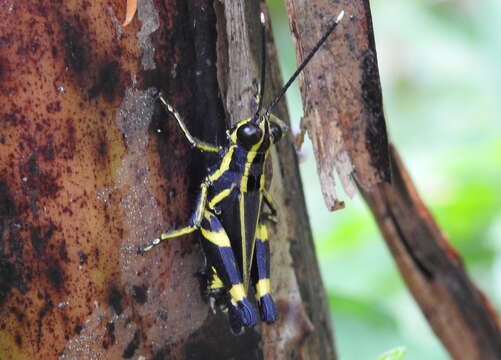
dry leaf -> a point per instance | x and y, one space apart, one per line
130 12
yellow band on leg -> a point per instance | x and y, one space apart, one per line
263 288
237 293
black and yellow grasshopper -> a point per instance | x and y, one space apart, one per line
229 211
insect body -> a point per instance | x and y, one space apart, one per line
230 210
229 215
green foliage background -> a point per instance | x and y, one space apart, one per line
439 64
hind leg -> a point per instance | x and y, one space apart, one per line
218 250
261 275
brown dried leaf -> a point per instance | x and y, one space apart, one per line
130 12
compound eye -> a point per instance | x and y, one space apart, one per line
249 134
276 132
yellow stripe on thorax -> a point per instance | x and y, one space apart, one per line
262 184
251 155
225 164
219 197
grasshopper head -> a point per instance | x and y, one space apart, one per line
257 133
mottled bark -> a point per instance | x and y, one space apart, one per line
91 168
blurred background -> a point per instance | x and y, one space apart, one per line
440 70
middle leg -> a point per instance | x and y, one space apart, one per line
195 221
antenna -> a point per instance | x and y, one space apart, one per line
263 65
305 62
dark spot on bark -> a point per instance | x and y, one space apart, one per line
162 354
351 41
41 314
68 148
78 329
377 140
107 81
47 150
39 238
74 48
120 232
63 253
7 205
20 316
102 147
109 335
33 169
55 274
7 279
163 314
18 339
3 67
37 241
115 298
14 117
139 294
53 107
38 183
83 258
132 346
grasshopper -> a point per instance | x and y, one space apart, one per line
229 211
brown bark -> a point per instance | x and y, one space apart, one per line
91 168
343 108
458 312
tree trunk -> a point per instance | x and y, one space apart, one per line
91 168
